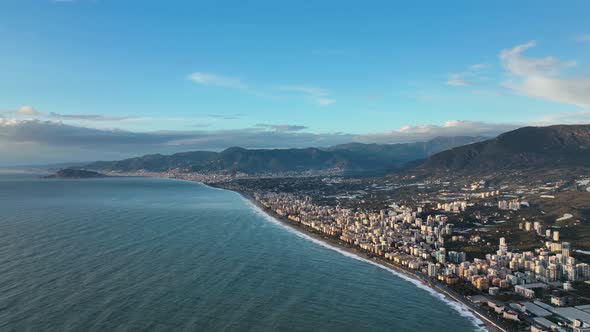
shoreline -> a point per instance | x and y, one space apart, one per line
458 302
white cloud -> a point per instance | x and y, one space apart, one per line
282 127
571 91
317 95
579 117
478 66
8 122
217 80
89 117
422 132
516 64
50 140
325 101
456 79
224 116
468 77
541 77
27 110
310 90
583 38
50 133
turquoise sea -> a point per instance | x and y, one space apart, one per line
130 254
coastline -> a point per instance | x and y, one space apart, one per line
458 302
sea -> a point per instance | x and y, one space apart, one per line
147 254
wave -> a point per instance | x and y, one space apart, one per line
461 309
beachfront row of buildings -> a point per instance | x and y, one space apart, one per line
407 237
401 235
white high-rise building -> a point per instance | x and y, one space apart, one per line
432 270
503 247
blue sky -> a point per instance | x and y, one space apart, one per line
331 71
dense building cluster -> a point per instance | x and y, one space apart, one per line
411 238
399 234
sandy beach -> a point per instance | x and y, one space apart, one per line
458 302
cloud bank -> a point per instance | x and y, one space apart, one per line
24 137
53 141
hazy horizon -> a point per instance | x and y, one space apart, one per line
106 80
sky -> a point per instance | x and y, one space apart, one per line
109 79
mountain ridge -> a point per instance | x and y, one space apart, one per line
557 146
351 158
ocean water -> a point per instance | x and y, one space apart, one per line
128 254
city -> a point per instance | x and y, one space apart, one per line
414 237
542 287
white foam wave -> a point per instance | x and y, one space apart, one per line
461 309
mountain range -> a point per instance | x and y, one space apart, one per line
352 158
552 147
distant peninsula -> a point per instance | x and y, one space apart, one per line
69 173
